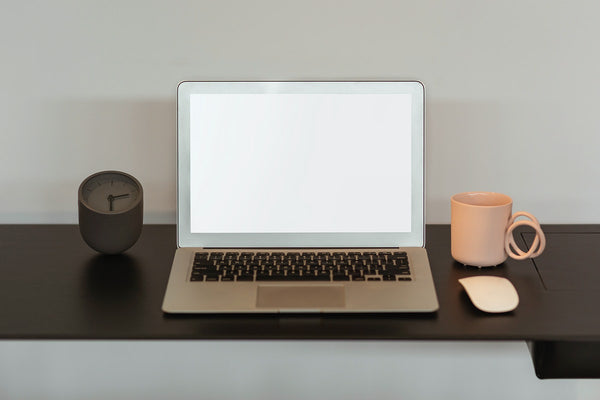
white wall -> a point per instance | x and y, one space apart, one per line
85 86
258 370
511 90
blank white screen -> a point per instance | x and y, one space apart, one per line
304 163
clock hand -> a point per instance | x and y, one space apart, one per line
110 199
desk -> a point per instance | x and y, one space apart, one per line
52 286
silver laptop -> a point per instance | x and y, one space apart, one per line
300 197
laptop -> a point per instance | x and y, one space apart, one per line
300 197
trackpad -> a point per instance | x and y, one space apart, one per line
303 297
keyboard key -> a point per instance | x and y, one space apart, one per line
341 277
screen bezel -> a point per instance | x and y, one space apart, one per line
414 238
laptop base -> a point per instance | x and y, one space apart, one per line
186 296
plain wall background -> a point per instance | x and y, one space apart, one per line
511 92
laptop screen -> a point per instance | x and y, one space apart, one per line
299 160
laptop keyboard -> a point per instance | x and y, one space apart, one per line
220 266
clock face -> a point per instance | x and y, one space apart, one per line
110 192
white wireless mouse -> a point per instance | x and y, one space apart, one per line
492 294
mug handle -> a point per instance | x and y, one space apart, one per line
538 245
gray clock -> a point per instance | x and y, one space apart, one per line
111 209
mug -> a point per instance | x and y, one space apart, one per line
482 229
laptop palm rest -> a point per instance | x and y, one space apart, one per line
302 297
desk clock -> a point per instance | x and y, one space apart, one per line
110 211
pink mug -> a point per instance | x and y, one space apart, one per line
482 229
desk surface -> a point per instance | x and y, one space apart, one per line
52 286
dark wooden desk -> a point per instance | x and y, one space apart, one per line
52 286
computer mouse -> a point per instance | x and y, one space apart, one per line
492 294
